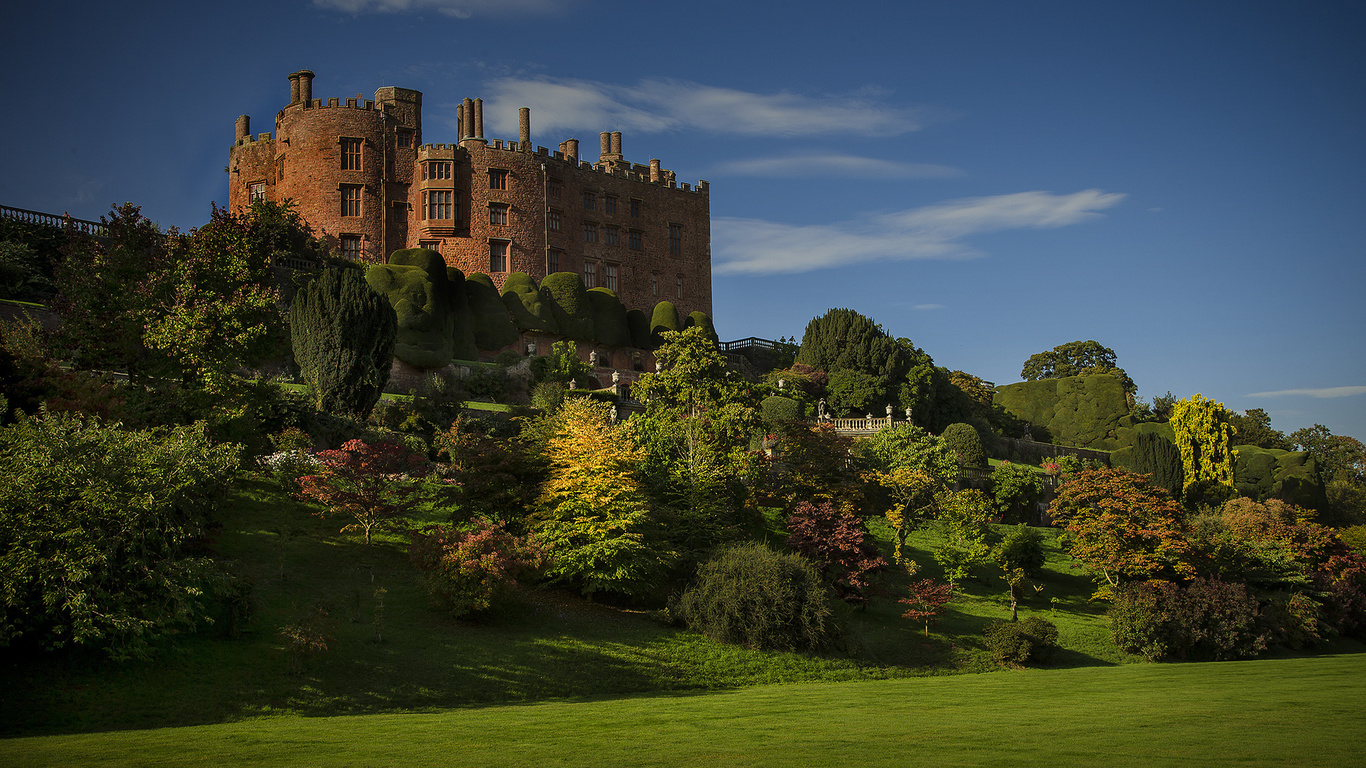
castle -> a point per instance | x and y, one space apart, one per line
361 176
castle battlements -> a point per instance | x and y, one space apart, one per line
361 175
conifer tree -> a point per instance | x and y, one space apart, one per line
343 334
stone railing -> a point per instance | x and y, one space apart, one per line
62 221
862 424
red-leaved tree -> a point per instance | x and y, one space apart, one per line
468 570
927 600
374 483
838 544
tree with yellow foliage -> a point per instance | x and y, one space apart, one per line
1204 434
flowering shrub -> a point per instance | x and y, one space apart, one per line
468 570
288 465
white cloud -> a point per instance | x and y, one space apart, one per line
1325 392
753 246
652 106
927 306
805 166
460 9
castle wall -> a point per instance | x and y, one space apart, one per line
552 213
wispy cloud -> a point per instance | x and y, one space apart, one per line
460 9
1325 392
753 246
803 166
924 307
653 106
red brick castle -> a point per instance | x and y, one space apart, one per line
359 173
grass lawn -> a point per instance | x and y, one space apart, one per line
1286 712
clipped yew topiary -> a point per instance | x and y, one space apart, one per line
702 320
343 335
664 318
963 440
609 318
569 304
416 286
1270 473
777 409
463 346
752 596
525 303
639 326
1083 411
493 328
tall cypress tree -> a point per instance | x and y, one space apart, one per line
343 334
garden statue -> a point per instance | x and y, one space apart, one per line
908 413
616 378
820 410
573 383
889 413
1028 436
614 414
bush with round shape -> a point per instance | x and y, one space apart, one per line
664 318
752 596
528 307
569 304
493 328
777 409
420 297
1033 640
964 441
639 326
702 320
343 334
609 318
469 570
1018 489
463 346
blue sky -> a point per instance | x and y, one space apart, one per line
1184 182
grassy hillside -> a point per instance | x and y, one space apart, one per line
390 652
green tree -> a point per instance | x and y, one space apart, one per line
1076 358
844 340
343 335
1253 427
964 440
593 514
965 524
1017 489
222 311
1020 557
96 531
1205 437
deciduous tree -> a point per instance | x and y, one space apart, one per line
927 600
839 544
1076 358
374 484
1205 437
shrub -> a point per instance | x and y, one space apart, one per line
469 570
493 327
609 318
778 409
1021 642
750 595
1159 457
839 545
1018 489
963 440
568 301
343 336
664 318
702 320
526 304
639 326
1206 619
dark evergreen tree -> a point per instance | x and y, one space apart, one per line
1159 457
609 318
343 334
493 327
569 304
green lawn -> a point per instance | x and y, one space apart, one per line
1287 712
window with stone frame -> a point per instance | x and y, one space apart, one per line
405 137
609 234
654 285
552 220
590 274
553 187
350 246
398 212
635 208
675 239
351 154
351 199
498 255
438 204
256 191
609 276
498 213
498 178
609 204
590 232
678 287
589 201
431 245
436 170
635 240
553 261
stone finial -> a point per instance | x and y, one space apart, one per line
889 411
573 383
531 348
659 367
616 378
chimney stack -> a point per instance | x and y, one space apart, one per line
616 145
479 118
524 128
654 170
305 86
243 127
604 146
293 87
571 149
467 119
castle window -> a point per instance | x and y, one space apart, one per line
609 276
589 201
398 212
635 240
590 232
635 208
405 138
438 204
552 220
552 261
350 202
675 239
498 178
678 287
590 274
350 154
350 247
256 191
431 245
552 188
498 213
609 204
610 234
436 170
498 255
